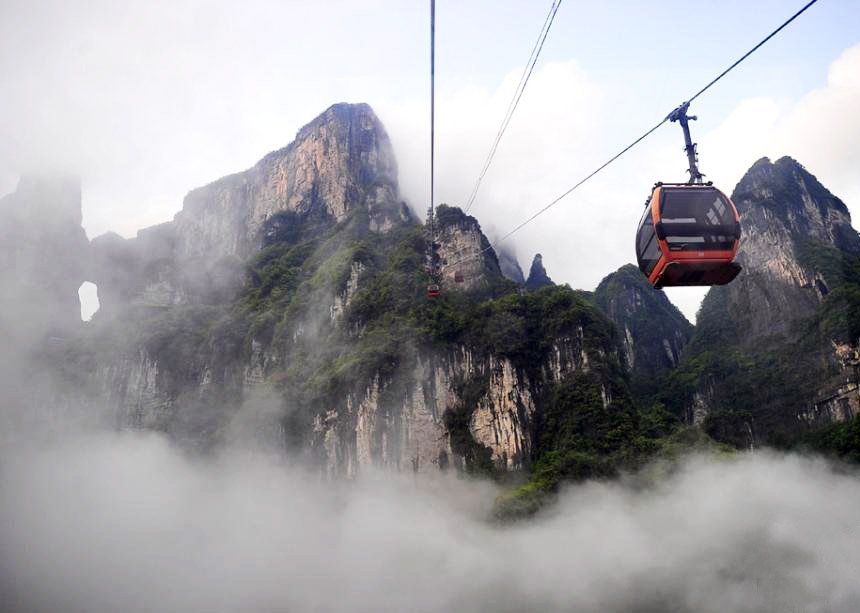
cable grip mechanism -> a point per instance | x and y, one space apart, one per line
680 115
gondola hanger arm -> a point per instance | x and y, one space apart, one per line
680 115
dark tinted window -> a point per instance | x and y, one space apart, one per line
647 249
646 228
687 215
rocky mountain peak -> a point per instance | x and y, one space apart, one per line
787 319
340 162
468 261
786 191
47 199
653 331
340 165
537 274
787 217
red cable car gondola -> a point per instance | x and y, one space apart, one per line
688 235
690 232
433 290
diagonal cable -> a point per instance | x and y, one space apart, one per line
515 100
641 138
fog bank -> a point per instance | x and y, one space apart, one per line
125 522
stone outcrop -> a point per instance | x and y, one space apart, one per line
783 209
537 275
780 316
343 299
339 163
510 266
466 259
407 431
286 303
652 330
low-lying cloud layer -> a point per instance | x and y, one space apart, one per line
109 523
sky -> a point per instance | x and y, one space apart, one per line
145 101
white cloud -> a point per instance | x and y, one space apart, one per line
125 522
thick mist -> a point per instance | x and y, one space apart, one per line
109 522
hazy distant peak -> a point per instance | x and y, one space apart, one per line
538 276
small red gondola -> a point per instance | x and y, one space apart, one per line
458 277
433 291
688 235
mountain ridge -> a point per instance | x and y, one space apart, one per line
296 303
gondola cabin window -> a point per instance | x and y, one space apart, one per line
648 250
689 216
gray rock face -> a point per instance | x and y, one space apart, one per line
396 423
783 208
303 273
44 259
653 332
341 161
407 431
537 275
797 246
467 261
510 266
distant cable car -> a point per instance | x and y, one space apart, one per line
688 235
458 277
433 290
690 232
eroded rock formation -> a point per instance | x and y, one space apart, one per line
467 261
764 347
537 275
652 330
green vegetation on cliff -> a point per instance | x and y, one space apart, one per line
587 426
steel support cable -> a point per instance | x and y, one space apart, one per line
751 51
515 99
432 116
638 140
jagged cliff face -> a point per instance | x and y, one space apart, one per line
538 277
784 209
289 303
408 430
291 300
467 262
653 332
339 162
769 351
44 259
510 266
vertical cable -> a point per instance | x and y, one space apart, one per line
432 116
